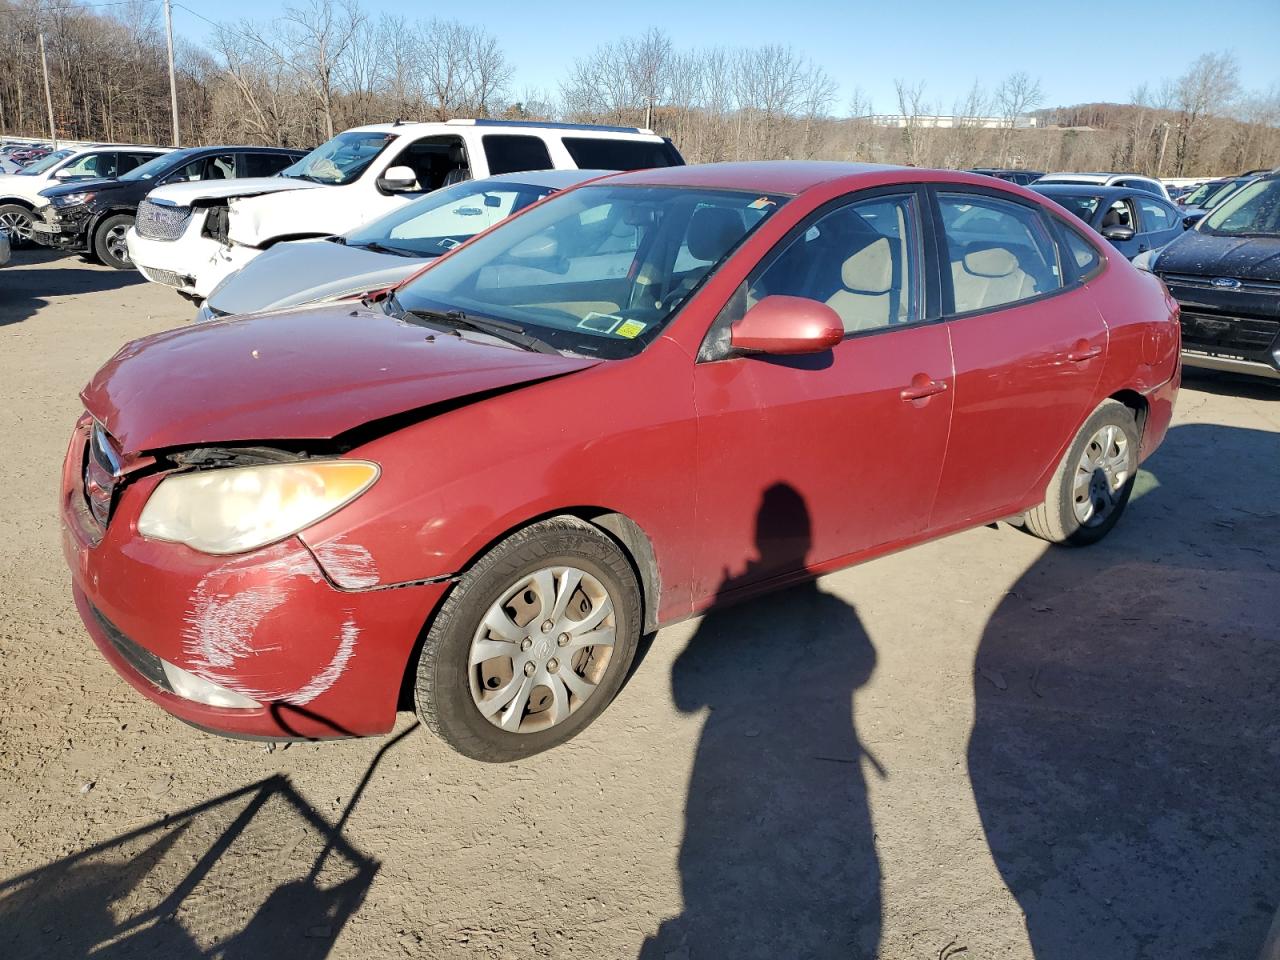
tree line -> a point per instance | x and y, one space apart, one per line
326 65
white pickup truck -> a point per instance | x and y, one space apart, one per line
190 236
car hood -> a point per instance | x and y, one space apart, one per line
82 186
186 194
303 271
1205 255
306 374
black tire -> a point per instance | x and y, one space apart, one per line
108 241
16 220
443 693
1055 520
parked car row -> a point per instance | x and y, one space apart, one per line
14 155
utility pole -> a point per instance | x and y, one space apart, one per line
173 83
1164 142
48 97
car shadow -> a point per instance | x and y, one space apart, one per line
32 276
778 856
259 873
1125 752
1226 384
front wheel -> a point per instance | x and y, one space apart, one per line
532 643
16 220
109 243
1092 485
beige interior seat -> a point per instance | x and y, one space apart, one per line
864 302
989 276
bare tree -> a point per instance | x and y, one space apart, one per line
915 134
1015 97
317 39
1208 89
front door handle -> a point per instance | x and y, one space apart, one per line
922 387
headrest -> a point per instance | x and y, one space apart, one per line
1112 218
991 262
457 155
712 231
870 270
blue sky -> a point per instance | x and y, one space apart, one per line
1082 51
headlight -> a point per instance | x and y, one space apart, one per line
72 200
234 509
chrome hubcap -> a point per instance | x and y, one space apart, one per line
116 245
541 650
16 224
1104 468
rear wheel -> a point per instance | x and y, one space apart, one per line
532 643
109 244
15 220
1091 487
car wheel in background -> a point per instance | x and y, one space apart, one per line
108 241
16 219
1091 487
532 643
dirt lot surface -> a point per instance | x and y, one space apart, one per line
978 748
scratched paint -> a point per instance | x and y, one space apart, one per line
218 638
349 565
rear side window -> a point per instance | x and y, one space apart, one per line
511 153
262 164
1084 253
1155 215
1000 252
592 153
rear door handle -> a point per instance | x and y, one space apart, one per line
922 387
1081 354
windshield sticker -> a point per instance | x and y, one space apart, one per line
760 203
600 322
630 329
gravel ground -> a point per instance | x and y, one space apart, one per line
977 748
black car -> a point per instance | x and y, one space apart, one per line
1226 275
1021 177
94 215
1133 220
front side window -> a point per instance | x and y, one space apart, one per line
440 221
435 161
1000 252
597 270
515 153
1252 211
859 259
340 160
91 165
1082 205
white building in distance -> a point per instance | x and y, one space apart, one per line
947 122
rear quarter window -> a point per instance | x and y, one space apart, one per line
593 153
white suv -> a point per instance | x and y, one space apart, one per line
1133 181
190 236
20 192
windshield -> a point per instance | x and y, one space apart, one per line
440 221
154 167
1082 205
341 159
1221 192
597 270
1252 211
40 166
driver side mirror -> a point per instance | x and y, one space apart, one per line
398 180
65 173
1191 219
1118 233
787 326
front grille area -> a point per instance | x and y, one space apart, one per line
101 471
143 661
161 222
1237 336
1206 283
167 277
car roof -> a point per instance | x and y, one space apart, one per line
786 176
416 128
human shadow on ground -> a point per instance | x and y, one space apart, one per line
30 278
256 872
778 857
1125 755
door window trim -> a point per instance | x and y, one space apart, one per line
942 253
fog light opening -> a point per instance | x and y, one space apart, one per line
191 687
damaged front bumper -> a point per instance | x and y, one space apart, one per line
193 264
272 626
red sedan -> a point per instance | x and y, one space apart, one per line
482 490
